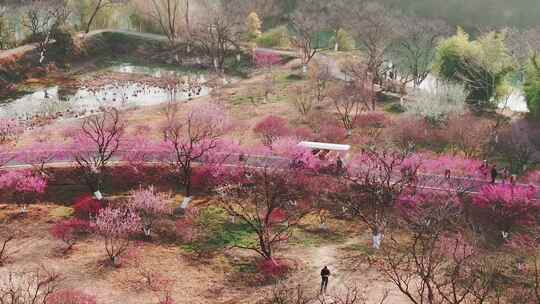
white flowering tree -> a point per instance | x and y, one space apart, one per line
438 102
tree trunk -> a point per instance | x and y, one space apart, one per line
94 14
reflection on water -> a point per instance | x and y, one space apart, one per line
61 101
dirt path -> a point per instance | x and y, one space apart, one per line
344 275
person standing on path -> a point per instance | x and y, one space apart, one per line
325 273
494 174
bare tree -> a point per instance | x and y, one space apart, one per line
308 22
6 235
434 263
190 137
28 287
373 27
96 144
414 49
218 31
42 19
267 203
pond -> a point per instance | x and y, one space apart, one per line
122 85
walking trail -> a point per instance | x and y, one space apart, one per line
343 276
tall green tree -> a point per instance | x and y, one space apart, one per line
482 65
531 86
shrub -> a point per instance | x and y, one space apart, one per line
371 120
273 269
69 231
87 207
271 128
70 296
408 131
394 108
277 37
531 87
436 105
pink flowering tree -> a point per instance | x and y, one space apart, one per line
24 186
298 156
150 205
266 59
271 128
458 166
191 136
116 226
96 144
507 208
373 183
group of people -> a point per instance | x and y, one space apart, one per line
494 173
490 171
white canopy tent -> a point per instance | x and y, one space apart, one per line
324 146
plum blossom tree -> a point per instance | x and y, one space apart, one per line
116 226
24 186
188 138
96 144
271 128
298 156
269 202
150 205
373 184
507 207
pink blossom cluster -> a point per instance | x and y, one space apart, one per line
23 182
458 166
513 204
271 128
266 59
149 202
117 222
9 129
70 296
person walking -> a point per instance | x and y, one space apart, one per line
494 174
325 273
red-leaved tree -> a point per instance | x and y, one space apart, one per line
70 231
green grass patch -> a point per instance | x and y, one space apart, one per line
218 232
61 213
313 238
394 108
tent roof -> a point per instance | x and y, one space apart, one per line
324 146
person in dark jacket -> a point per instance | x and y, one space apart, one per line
325 273
494 174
